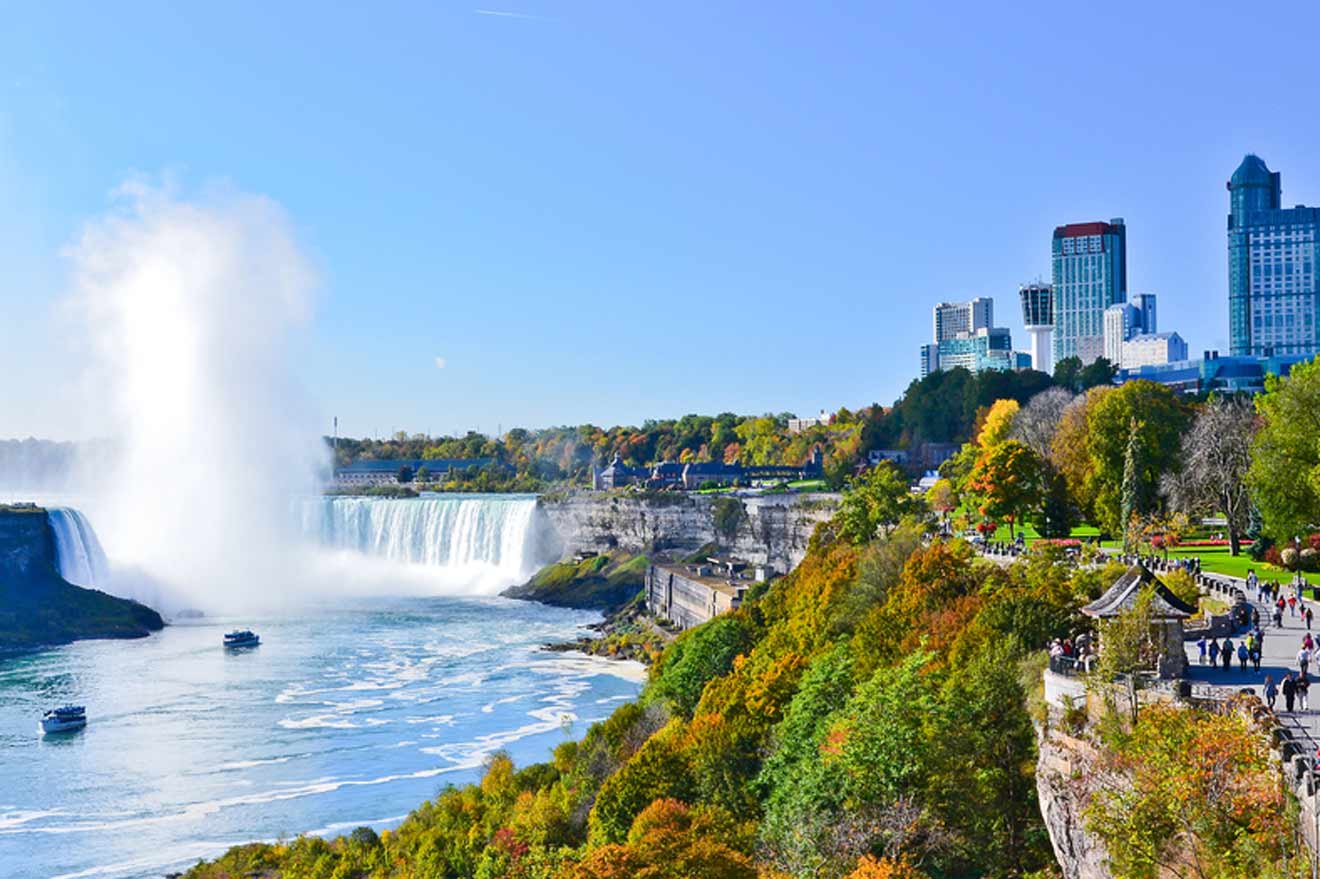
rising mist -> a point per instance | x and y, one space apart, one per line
190 306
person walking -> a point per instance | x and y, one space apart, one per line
1200 647
1214 652
1303 687
1289 691
1292 605
1303 659
1271 691
1243 654
1278 616
1226 654
1255 657
1308 643
1308 614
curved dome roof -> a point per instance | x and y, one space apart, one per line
1252 171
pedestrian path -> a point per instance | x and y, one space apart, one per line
1278 657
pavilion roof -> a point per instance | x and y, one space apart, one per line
1123 595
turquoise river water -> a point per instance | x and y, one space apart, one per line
345 715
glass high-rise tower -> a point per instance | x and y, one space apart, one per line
1089 266
1273 257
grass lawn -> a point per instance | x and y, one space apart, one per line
1214 559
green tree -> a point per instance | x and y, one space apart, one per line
1098 373
1057 514
697 656
875 502
1135 501
405 474
1007 482
1068 373
1163 419
983 783
1284 477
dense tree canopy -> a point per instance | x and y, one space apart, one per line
1284 476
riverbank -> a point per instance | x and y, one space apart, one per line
612 583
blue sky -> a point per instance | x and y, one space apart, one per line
605 211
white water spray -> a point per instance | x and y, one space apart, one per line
191 309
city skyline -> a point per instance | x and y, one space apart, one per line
497 207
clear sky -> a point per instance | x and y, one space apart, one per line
608 211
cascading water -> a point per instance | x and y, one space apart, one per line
491 536
82 561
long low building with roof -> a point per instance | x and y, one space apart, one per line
384 472
690 594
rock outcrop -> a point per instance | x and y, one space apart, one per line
39 607
770 530
1062 765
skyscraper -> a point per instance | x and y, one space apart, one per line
965 336
1273 257
1038 316
952 318
1089 265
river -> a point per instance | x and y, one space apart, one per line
351 712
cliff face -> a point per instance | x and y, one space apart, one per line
27 545
38 607
1063 761
771 530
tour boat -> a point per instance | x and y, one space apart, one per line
65 719
242 638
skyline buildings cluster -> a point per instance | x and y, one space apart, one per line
1085 310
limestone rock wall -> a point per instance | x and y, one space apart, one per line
771 530
1062 765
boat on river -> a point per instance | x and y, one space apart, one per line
241 638
65 719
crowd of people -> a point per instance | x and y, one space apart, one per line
1080 652
1296 683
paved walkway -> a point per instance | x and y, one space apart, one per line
1277 659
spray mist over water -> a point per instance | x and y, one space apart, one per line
191 308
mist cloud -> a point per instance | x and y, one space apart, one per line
190 306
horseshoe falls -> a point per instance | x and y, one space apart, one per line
81 559
497 539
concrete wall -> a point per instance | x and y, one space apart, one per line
687 599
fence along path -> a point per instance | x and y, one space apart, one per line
1278 657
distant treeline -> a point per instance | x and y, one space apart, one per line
39 464
943 407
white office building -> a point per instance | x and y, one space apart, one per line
1153 349
955 318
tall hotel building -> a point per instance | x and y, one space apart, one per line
952 318
1273 257
1089 266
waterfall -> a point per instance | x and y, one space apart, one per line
82 561
478 534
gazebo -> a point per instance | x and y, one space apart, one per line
1167 612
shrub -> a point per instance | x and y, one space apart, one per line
697 656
